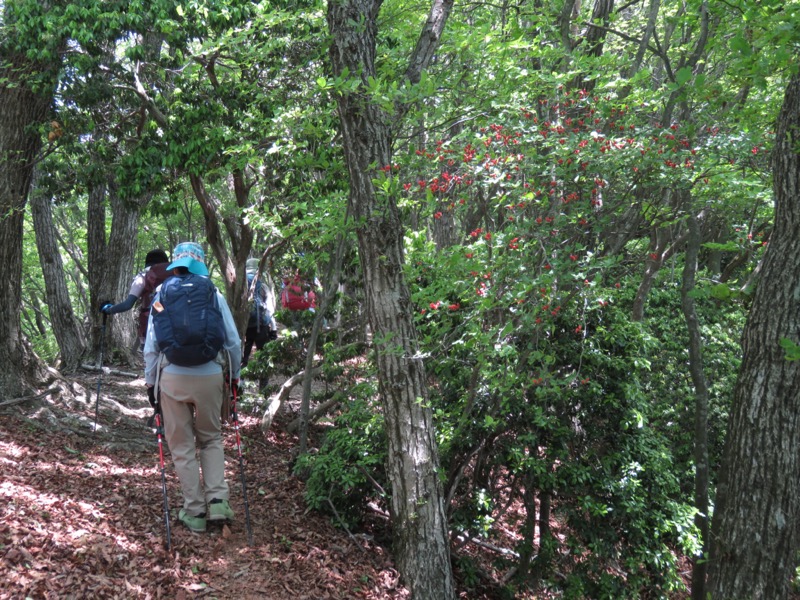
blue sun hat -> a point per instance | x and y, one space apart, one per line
191 256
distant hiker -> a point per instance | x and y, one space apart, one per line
261 326
142 288
298 293
189 331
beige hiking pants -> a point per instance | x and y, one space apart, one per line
191 406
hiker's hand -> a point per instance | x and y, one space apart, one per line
151 396
106 308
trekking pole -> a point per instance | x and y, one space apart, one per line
159 431
100 377
235 416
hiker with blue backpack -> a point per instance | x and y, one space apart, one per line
190 334
261 325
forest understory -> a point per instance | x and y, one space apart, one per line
81 515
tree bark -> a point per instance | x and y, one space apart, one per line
697 370
419 523
756 525
23 112
66 328
111 265
240 236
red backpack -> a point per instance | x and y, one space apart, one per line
294 298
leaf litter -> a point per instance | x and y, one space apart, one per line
81 516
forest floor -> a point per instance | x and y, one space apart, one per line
81 515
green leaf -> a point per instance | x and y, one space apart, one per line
792 349
740 44
683 75
721 291
726 247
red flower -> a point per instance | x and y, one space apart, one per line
437 215
454 306
435 305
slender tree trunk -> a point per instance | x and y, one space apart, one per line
697 370
330 286
420 533
756 525
68 333
23 113
229 231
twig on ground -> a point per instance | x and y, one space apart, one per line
342 523
47 392
315 414
108 371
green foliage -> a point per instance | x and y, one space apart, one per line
541 380
533 178
351 457
791 348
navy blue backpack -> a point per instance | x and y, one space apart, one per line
187 321
259 311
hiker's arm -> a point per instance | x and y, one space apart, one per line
233 343
126 304
150 351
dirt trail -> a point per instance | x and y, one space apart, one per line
81 516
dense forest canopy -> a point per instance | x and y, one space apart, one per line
538 230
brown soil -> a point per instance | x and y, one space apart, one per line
81 516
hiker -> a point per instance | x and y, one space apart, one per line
142 288
189 332
298 293
261 325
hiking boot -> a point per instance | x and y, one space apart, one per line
220 510
196 524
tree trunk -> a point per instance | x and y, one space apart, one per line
330 286
66 328
111 267
697 370
23 112
756 525
235 233
420 534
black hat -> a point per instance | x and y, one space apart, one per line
155 257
